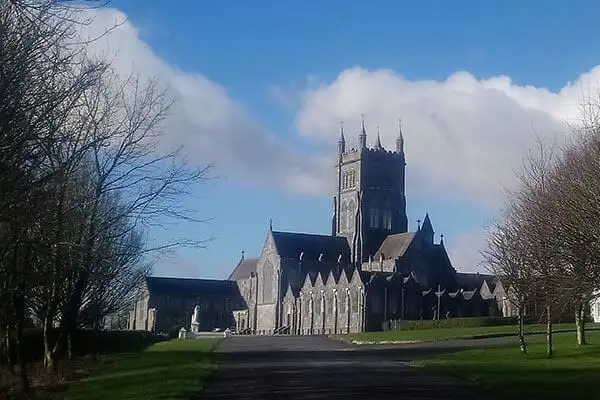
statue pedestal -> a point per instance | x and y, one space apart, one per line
195 327
183 333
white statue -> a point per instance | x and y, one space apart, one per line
196 315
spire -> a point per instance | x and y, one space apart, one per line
243 254
342 139
378 145
427 231
442 239
362 137
271 224
400 138
427 227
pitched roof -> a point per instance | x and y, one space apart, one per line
471 281
244 268
189 286
394 246
291 244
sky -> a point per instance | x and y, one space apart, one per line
260 88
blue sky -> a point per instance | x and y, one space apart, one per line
284 64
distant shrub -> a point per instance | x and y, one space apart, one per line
471 322
173 332
89 342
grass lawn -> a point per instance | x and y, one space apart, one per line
176 369
434 335
573 372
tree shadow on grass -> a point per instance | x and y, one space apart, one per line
529 382
147 375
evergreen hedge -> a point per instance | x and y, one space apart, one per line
471 322
92 342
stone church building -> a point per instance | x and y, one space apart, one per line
369 269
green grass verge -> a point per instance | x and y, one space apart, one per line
573 372
434 335
176 369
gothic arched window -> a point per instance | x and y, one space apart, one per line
386 216
350 215
344 216
352 179
374 218
345 180
268 282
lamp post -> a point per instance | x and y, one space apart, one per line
335 312
299 316
385 295
348 305
363 310
402 305
323 311
439 300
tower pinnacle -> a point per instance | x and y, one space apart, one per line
362 137
378 145
341 140
400 138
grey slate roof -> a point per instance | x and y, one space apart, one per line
472 281
244 268
394 246
189 286
291 244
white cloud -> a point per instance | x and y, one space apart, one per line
464 136
464 251
211 126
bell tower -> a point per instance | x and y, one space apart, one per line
369 201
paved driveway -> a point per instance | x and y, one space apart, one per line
316 367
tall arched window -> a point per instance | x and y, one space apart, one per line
345 180
344 216
268 282
386 217
374 218
350 215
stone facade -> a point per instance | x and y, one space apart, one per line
166 304
369 270
369 196
595 306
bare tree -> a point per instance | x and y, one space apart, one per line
504 256
523 245
83 175
124 118
576 212
40 86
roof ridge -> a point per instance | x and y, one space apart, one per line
309 234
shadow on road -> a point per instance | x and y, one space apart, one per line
310 367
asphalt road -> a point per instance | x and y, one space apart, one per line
316 367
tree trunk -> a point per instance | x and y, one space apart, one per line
9 353
70 318
521 333
20 314
549 350
580 324
49 353
70 345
